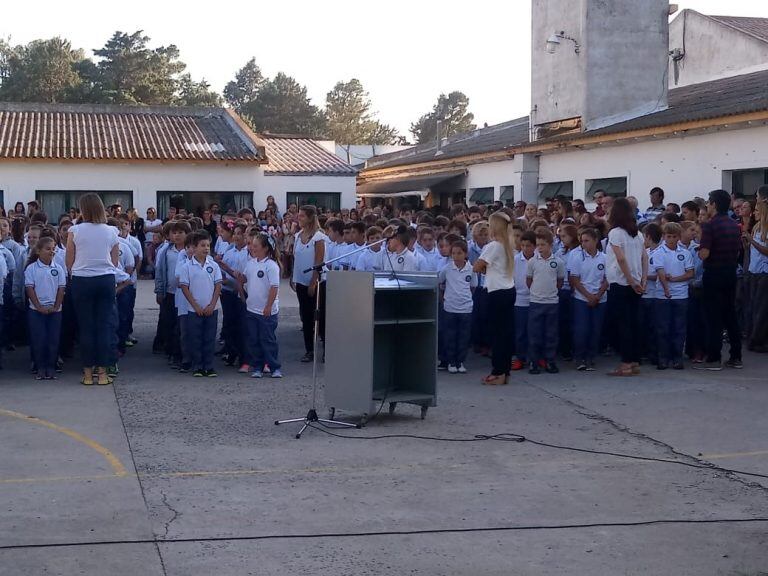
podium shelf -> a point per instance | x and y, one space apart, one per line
394 321
404 397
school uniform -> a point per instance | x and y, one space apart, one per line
430 259
127 296
404 261
261 344
183 308
354 259
481 338
165 275
670 312
220 246
457 284
232 307
543 309
587 320
138 251
565 305
757 337
522 305
11 295
44 329
370 261
696 335
201 280
421 262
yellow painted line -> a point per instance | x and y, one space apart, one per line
60 479
734 455
117 466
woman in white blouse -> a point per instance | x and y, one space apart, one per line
308 251
497 262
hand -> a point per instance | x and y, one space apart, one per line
267 312
199 311
218 259
208 310
637 287
667 295
312 288
159 299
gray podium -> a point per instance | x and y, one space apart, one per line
380 341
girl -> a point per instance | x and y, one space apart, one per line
457 283
309 252
568 252
262 277
497 262
758 279
45 282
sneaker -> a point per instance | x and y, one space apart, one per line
211 374
452 369
533 368
133 340
711 366
678 366
517 365
277 374
113 370
129 343
552 368
734 363
256 374
198 373
183 369
244 369
460 369
590 366
308 357
542 363
582 367
443 366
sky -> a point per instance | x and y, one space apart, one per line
405 52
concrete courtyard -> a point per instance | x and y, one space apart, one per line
164 474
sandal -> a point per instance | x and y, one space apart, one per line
620 372
86 381
104 380
495 380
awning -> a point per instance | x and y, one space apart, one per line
481 195
616 187
406 185
552 189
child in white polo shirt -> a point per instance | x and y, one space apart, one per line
200 282
674 269
523 298
370 260
545 274
45 282
648 346
457 282
396 257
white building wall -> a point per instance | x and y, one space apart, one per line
683 167
279 186
495 175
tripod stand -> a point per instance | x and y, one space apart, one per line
312 416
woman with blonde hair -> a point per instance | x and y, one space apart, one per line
497 262
757 243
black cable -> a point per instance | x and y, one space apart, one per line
511 437
314 536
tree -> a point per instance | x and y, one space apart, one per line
245 87
193 93
283 107
350 121
131 73
41 71
452 110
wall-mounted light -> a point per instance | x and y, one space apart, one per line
554 41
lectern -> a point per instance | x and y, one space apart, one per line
380 341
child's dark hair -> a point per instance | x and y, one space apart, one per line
592 233
336 225
528 236
359 227
424 230
459 225
34 255
199 236
181 226
442 222
653 231
460 244
544 234
372 231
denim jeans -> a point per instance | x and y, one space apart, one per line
94 300
543 326
457 332
521 332
565 323
587 327
671 321
201 339
501 311
261 345
125 298
44 331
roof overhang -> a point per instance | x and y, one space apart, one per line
406 185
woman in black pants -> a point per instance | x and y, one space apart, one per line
627 272
308 251
92 251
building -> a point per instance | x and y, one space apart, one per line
602 115
159 156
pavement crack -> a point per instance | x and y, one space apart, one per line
174 513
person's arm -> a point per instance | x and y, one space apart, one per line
662 276
682 278
35 301
271 297
59 299
214 300
69 259
706 241
114 254
480 266
621 260
759 247
191 299
319 256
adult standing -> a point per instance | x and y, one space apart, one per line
626 269
757 244
497 262
152 225
719 249
92 251
657 207
308 251
272 205
210 225
18 209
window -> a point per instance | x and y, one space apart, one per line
57 202
616 187
327 200
481 195
747 182
552 189
507 193
196 202
2 203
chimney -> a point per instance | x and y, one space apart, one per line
439 138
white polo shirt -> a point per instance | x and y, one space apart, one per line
590 270
182 304
235 259
262 276
120 276
171 259
651 285
545 273
457 284
201 280
370 261
405 261
523 295
46 280
125 259
431 258
674 263
3 268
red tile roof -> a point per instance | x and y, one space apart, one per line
96 132
297 156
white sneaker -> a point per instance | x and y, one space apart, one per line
277 374
256 374
461 369
452 369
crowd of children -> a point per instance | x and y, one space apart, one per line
523 284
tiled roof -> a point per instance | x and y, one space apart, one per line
490 139
96 132
757 27
297 156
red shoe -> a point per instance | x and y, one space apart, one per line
517 365
542 363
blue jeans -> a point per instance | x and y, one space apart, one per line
542 332
671 324
94 300
587 327
565 322
521 332
125 299
200 339
457 332
261 345
44 331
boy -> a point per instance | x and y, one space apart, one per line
648 344
421 262
522 298
396 257
674 269
357 235
695 338
334 230
544 278
426 248
370 260
200 282
457 282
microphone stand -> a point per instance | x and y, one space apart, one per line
312 416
